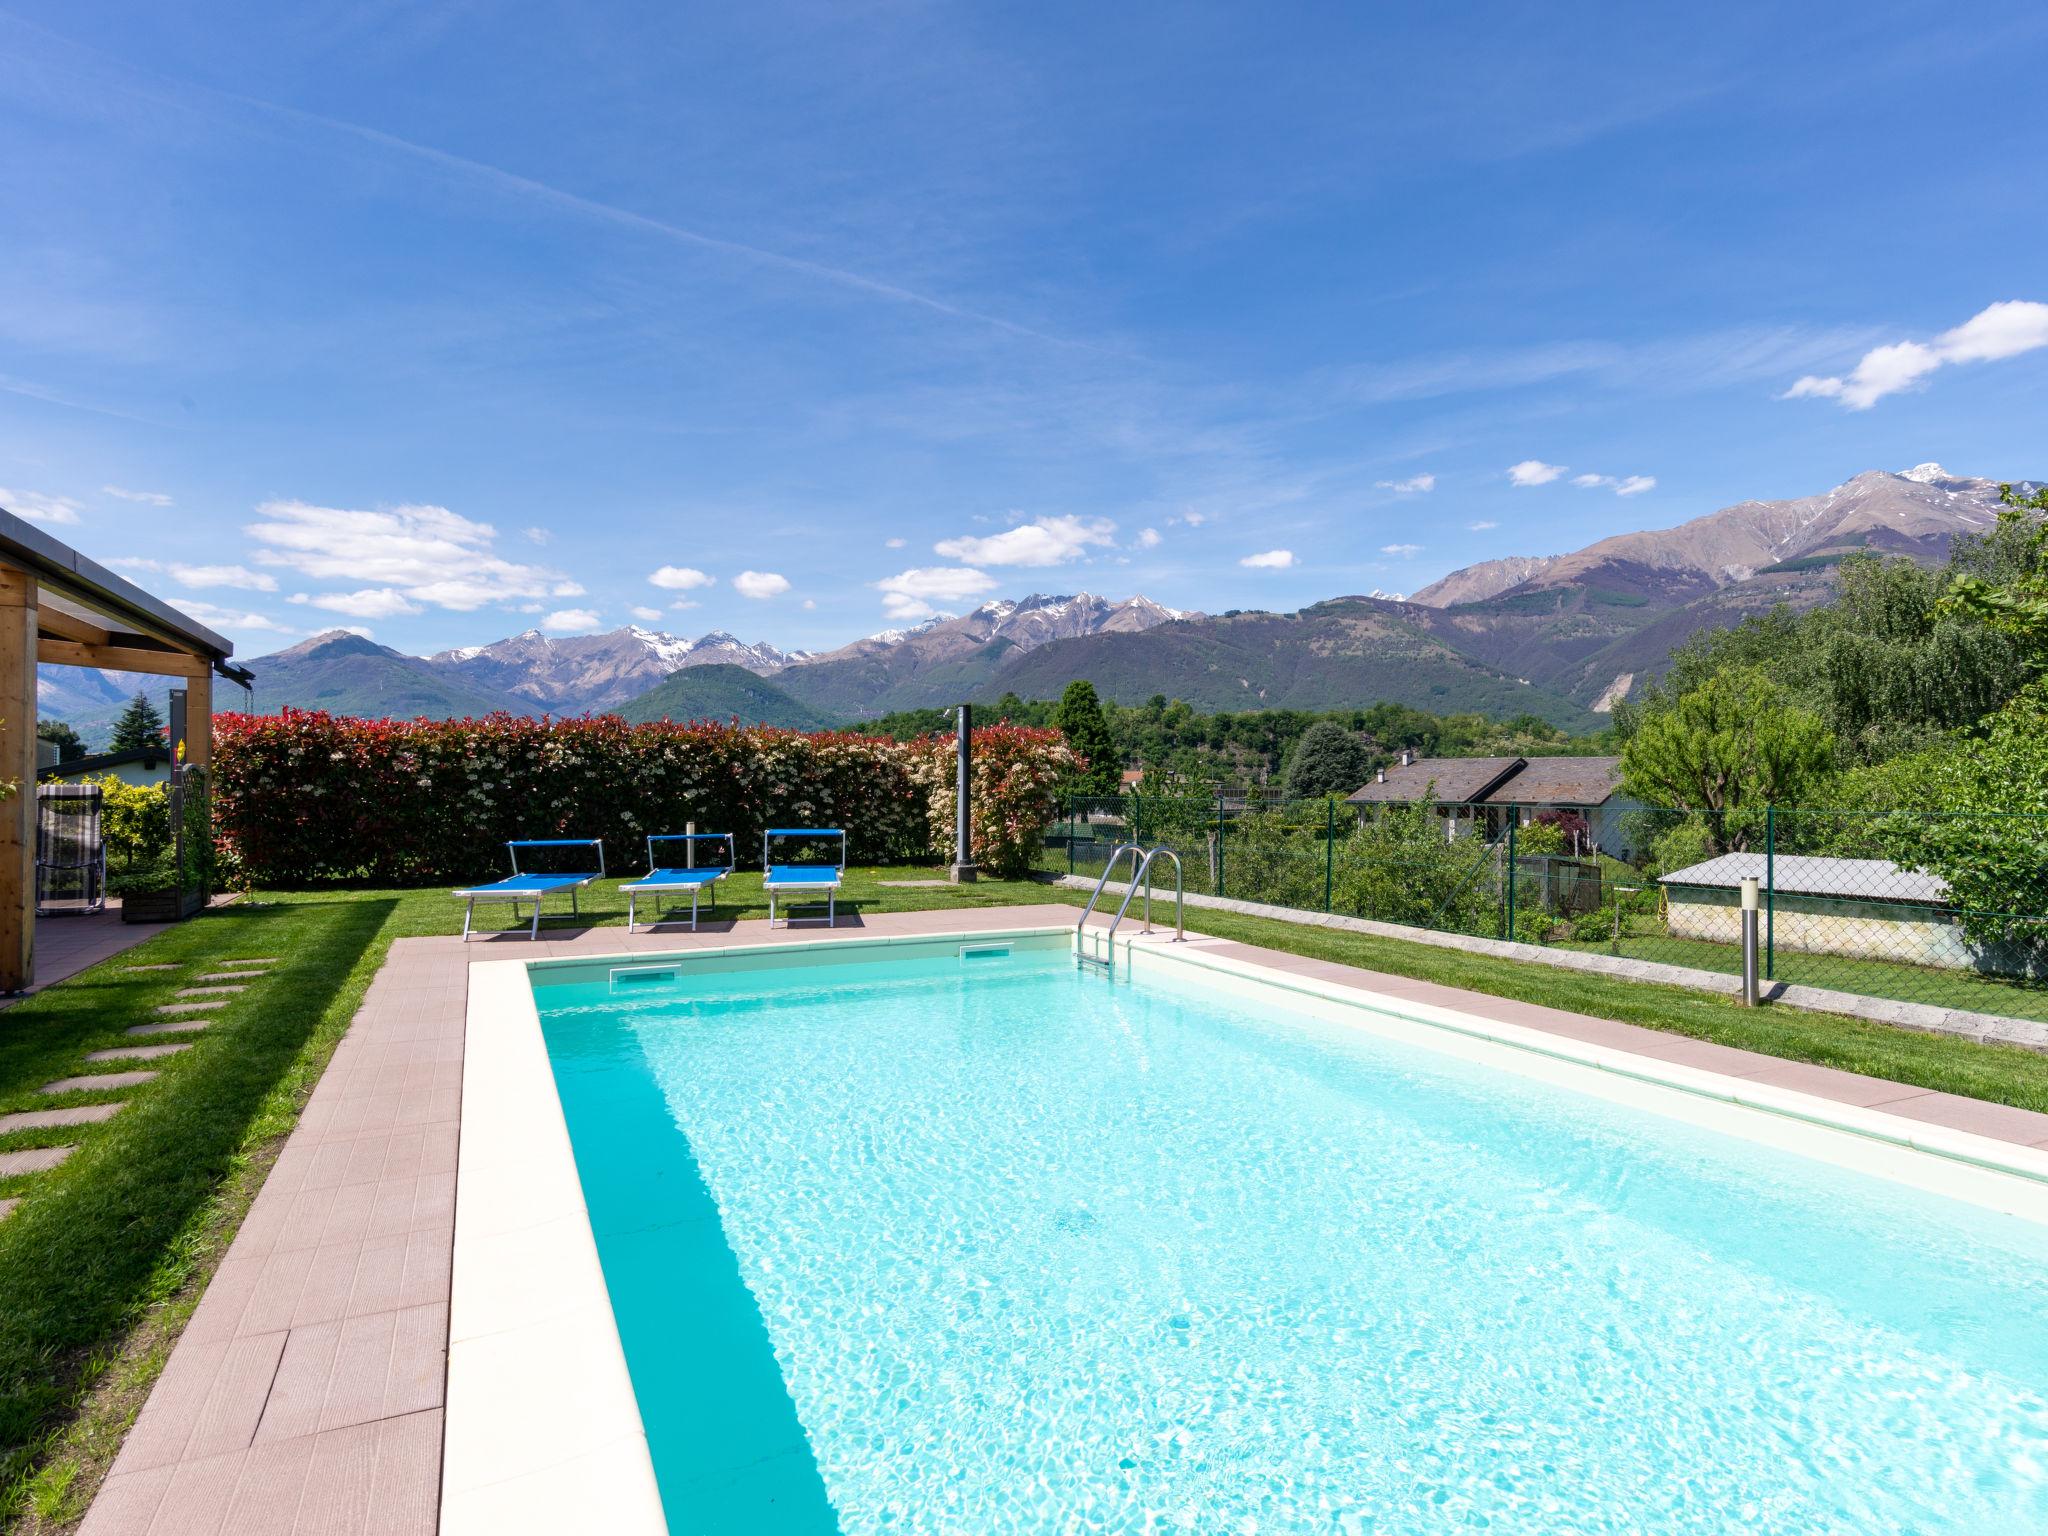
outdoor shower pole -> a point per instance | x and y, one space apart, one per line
963 870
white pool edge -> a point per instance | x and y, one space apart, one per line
543 1432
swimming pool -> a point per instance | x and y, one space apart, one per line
952 1236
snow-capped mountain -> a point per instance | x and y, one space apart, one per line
1912 512
569 673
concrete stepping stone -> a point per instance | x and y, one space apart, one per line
35 1160
206 991
253 960
229 976
168 1027
7 1208
51 1119
138 1052
93 1081
193 1007
167 965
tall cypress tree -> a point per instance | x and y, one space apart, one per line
140 725
1081 721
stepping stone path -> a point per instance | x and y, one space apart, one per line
214 990
35 1160
51 1119
98 1080
137 1052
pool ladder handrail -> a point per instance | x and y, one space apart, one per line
1141 872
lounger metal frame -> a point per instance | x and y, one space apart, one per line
830 886
510 889
700 881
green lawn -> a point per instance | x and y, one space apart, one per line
108 1252
1938 986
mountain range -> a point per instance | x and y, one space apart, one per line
1562 636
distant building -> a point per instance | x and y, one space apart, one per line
141 765
1869 909
1486 794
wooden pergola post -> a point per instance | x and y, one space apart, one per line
17 762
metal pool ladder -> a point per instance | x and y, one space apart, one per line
1141 873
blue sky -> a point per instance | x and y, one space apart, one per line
443 320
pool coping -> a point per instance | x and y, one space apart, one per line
542 1425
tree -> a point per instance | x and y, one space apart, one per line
1733 743
66 739
2010 592
140 725
1081 721
1328 760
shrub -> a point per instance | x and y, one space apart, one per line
135 821
1690 842
1538 839
1014 784
304 797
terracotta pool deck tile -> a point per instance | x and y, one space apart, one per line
1706 1056
127 1502
207 1401
1833 1084
2000 1121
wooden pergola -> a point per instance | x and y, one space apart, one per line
59 608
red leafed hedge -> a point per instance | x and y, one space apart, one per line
305 797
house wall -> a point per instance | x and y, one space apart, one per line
1861 930
127 773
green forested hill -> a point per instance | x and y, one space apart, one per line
722 692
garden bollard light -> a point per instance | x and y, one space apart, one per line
1749 947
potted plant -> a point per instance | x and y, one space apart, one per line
171 881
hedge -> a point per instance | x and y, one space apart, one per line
305 797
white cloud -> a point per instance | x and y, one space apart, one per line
1043 541
227 618
430 554
809 604
1148 538
566 589
684 605
1534 472
911 594
1423 482
643 614
538 535
1621 485
681 578
1269 560
760 585
147 498
200 576
2001 330
1401 551
1481 527
565 621
369 603
894 543
38 507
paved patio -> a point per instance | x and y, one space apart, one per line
306 1394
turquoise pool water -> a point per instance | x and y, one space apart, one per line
993 1246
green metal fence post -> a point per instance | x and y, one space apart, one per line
1137 818
1770 891
1329 848
1073 809
1512 819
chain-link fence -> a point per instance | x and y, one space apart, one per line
1949 909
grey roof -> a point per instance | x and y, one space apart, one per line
1454 779
1800 874
63 570
1561 781
1498 781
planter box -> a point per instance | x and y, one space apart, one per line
161 906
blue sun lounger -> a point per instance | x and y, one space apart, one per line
521 886
789 879
691 876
